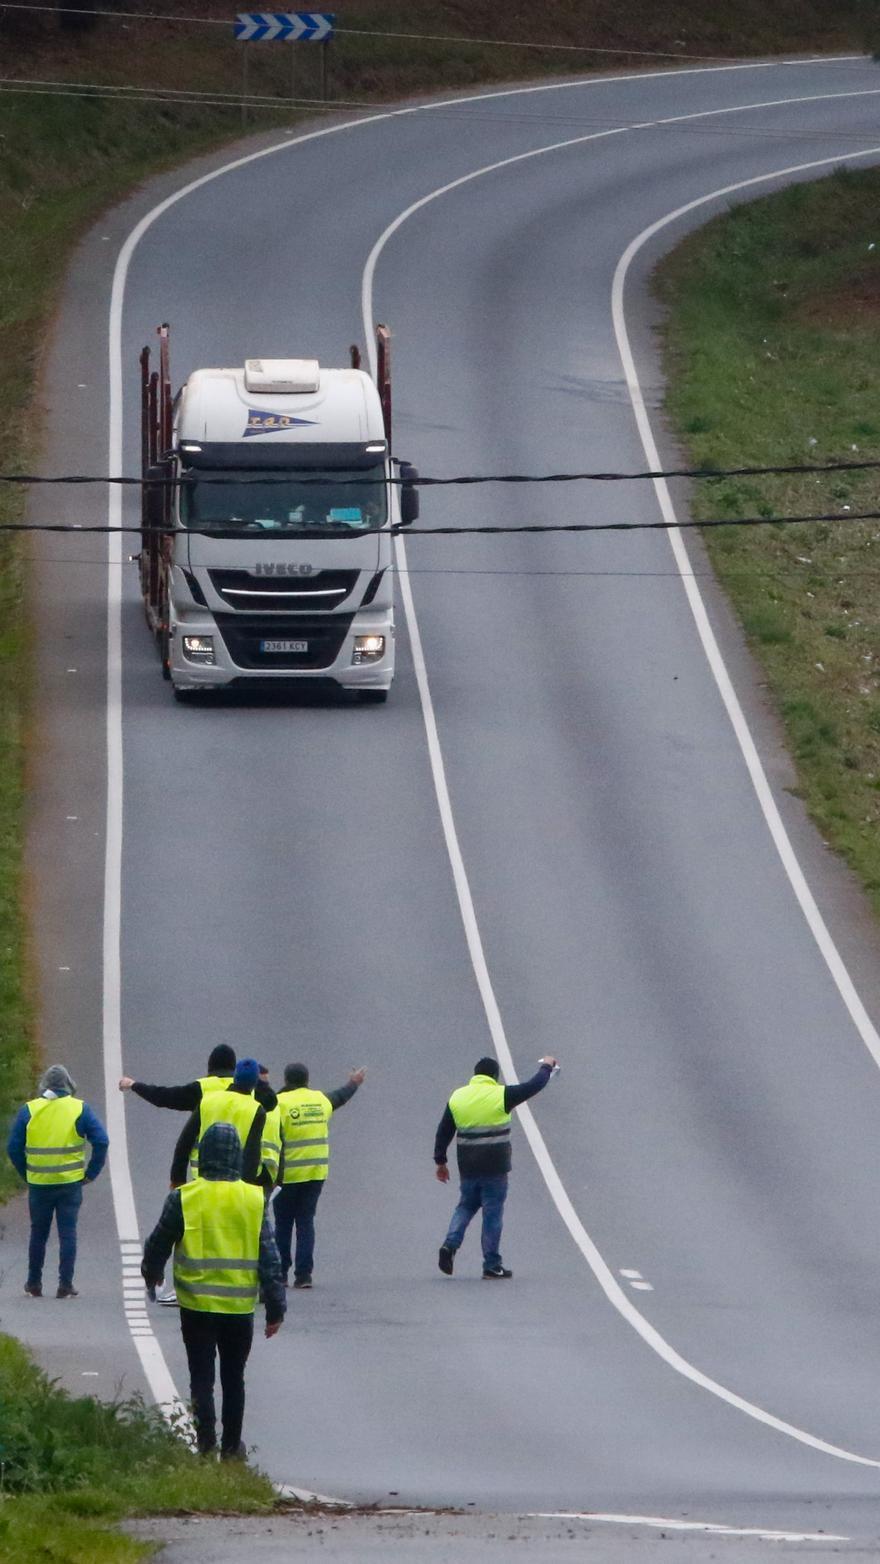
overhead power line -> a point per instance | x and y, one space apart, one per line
372 32
250 535
790 469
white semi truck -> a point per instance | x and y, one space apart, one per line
269 499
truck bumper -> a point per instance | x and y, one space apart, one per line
239 661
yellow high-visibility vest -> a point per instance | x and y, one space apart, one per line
54 1150
479 1112
208 1083
220 1107
305 1134
214 1083
216 1261
271 1142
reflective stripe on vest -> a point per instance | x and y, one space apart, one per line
270 1145
479 1112
55 1153
235 1108
305 1135
208 1083
216 1263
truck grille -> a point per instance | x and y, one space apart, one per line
324 637
283 594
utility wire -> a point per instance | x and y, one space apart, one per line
250 534
217 98
369 32
291 474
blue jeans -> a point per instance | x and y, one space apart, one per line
63 1202
490 1193
295 1207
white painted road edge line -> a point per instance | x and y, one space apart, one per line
602 1272
152 1359
781 840
715 1528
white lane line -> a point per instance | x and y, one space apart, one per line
602 1272
715 1528
781 840
643 1286
632 1276
152 1359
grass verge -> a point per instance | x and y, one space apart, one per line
70 1466
773 357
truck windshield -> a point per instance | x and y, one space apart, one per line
338 500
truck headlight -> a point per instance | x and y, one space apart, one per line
198 648
368 648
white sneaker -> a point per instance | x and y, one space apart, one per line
168 1298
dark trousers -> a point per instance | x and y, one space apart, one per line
295 1207
230 1336
61 1201
490 1194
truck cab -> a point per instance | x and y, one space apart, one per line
271 510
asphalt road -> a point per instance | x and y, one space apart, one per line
286 884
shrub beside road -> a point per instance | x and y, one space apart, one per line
71 1466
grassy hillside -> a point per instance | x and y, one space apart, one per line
62 159
774 358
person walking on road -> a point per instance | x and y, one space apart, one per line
236 1105
224 1258
47 1147
187 1098
305 1159
478 1115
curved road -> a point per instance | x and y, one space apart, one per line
286 874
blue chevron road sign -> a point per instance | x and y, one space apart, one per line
291 26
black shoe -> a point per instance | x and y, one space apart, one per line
34 1289
67 1292
302 1281
446 1259
239 1453
495 1273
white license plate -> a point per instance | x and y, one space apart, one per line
284 646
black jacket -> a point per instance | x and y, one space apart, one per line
476 1161
188 1097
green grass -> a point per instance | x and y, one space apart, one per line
70 1466
773 357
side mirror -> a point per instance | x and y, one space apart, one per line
156 507
409 494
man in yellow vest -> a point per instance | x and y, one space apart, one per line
224 1259
236 1105
47 1147
186 1098
478 1115
305 1159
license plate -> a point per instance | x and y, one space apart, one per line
284 646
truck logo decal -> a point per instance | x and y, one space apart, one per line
267 423
285 568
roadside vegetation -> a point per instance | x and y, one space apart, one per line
773 357
71 1466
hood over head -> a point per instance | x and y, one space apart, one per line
58 1080
220 1152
